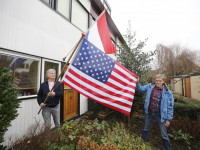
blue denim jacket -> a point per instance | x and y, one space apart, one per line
167 101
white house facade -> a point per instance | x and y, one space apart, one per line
40 34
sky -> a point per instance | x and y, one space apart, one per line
161 21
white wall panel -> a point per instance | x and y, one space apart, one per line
31 27
83 104
27 115
86 4
195 87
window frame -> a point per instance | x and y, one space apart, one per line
70 10
15 54
42 68
54 6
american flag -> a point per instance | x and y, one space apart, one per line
17 80
100 78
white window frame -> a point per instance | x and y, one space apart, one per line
43 63
15 54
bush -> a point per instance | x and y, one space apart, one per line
8 102
186 110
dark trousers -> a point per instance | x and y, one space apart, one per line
163 130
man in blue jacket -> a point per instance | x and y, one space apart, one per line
51 107
159 106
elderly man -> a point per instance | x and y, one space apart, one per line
51 107
159 106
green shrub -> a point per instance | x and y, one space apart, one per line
8 102
120 137
186 110
180 136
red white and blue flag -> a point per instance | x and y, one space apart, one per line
99 35
97 76
17 80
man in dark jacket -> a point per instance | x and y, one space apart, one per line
51 107
159 106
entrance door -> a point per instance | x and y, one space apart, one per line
70 103
187 87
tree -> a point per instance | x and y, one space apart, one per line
132 56
8 102
175 60
134 59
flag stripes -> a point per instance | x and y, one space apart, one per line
119 98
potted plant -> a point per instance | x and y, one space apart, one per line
102 114
89 115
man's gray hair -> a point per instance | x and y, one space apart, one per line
159 76
47 72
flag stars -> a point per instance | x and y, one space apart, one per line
86 43
93 62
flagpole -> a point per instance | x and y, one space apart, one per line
64 68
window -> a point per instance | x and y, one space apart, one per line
50 3
24 69
72 10
79 16
48 64
63 7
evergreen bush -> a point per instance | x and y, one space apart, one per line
8 102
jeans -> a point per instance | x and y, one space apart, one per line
55 112
163 130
